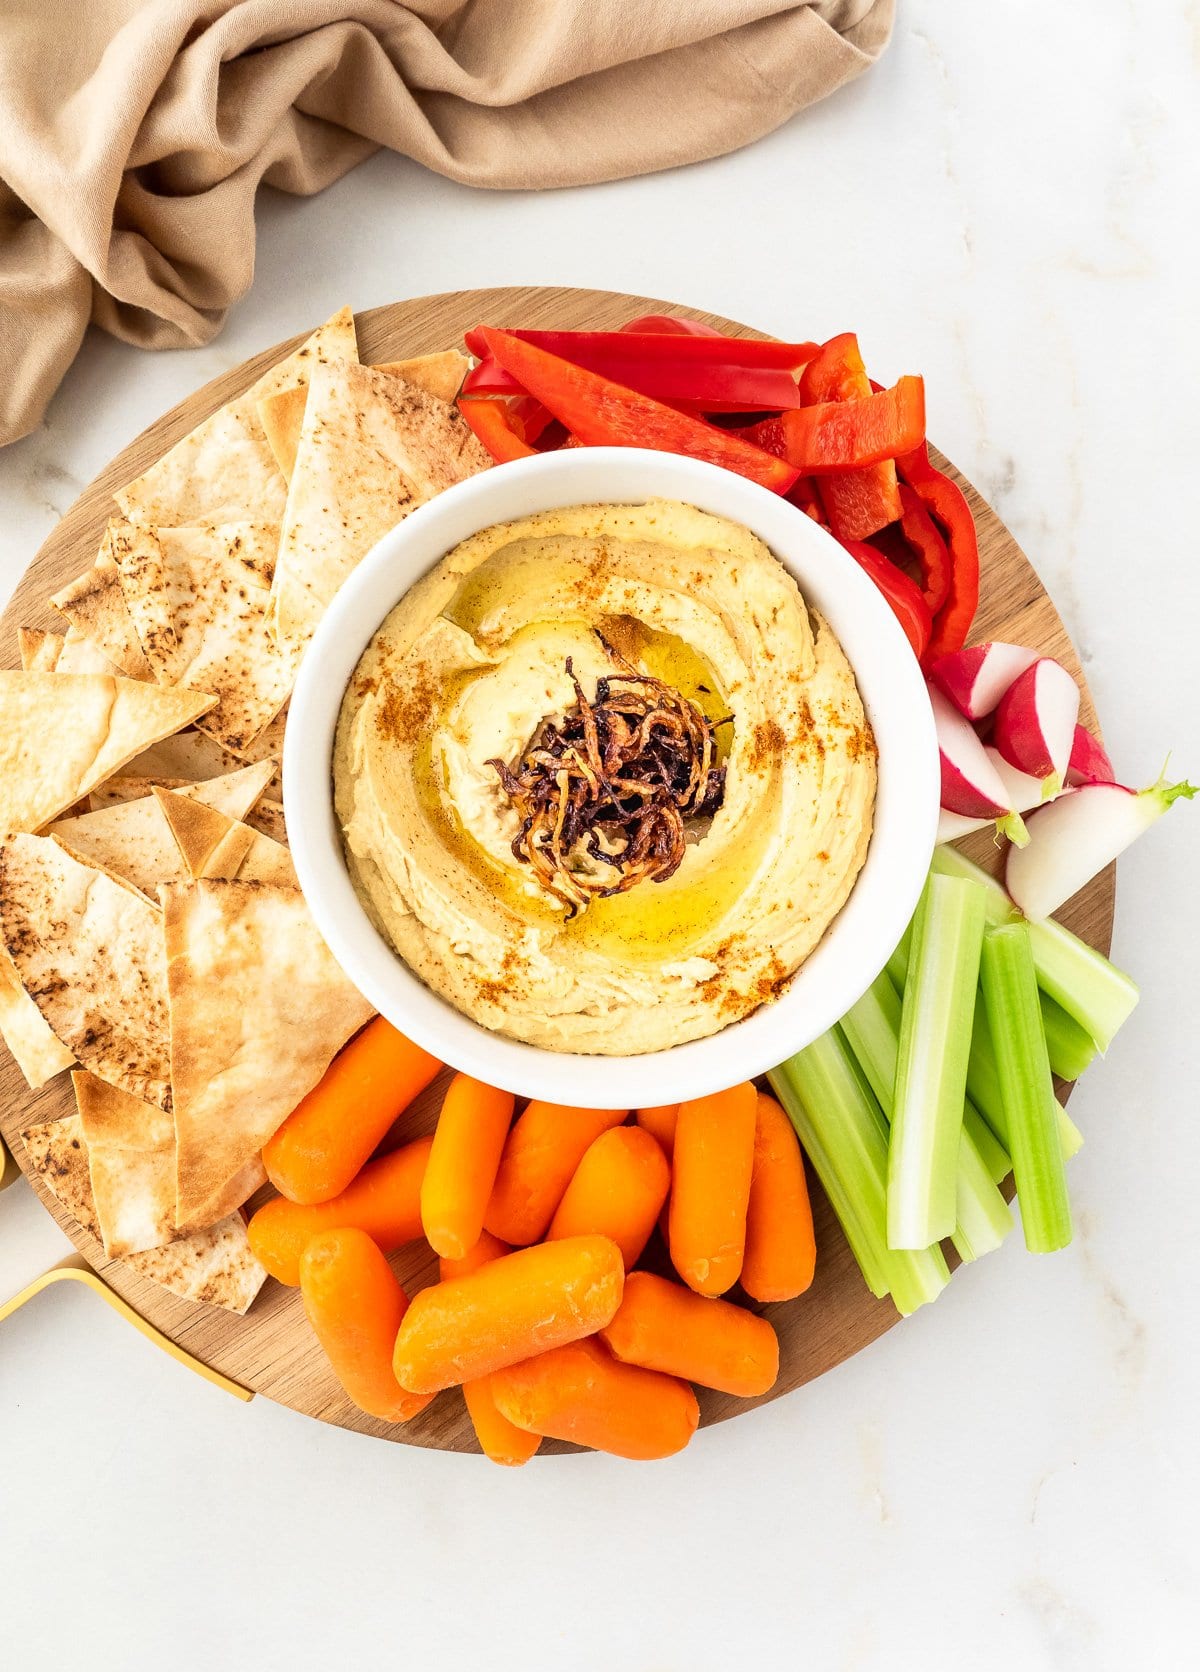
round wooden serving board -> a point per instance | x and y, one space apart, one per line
272 1350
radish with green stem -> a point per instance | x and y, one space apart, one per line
1077 835
971 786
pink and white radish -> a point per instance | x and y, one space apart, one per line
1077 835
953 825
976 678
1035 722
1089 762
971 786
1024 792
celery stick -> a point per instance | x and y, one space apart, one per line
931 1068
1095 993
1015 1019
897 964
983 1086
844 1135
982 1216
992 1152
1070 1047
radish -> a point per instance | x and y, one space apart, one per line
971 786
953 825
1024 792
1078 835
977 678
1035 722
1089 760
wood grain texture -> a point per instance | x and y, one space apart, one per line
272 1350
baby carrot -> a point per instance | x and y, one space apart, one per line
467 1145
710 1187
780 1249
355 1305
659 1122
337 1127
482 1252
507 1310
580 1393
384 1201
500 1441
618 1190
662 1326
544 1147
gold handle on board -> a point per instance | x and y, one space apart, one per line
76 1269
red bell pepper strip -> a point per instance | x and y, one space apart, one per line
858 502
903 594
670 325
804 496
490 378
947 505
696 373
925 541
496 427
699 388
590 348
847 435
601 413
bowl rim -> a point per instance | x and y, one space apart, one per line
861 937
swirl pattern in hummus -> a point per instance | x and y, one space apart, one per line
465 668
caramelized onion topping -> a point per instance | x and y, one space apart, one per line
605 793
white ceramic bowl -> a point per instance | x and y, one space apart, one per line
861 938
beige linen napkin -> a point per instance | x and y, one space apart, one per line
134 133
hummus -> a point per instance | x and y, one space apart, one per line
474 659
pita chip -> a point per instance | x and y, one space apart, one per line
198 598
259 1009
94 605
185 756
268 741
215 1265
224 471
132 840
268 817
37 1050
372 448
39 650
131 1157
61 734
89 952
71 652
282 414
212 845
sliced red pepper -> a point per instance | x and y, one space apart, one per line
928 547
858 502
671 325
496 426
902 593
490 378
804 496
602 413
693 348
842 435
706 373
947 505
691 388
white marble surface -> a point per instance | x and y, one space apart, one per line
1008 205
